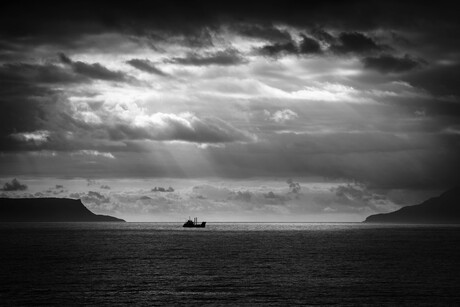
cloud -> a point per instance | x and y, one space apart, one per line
281 116
323 35
347 42
58 189
358 195
181 17
253 197
180 127
383 160
211 192
92 197
32 104
161 189
14 185
278 49
391 64
91 182
309 46
227 57
244 196
46 113
439 79
306 46
94 153
65 59
269 33
27 113
146 66
355 42
37 137
273 198
237 200
294 186
93 71
351 191
37 74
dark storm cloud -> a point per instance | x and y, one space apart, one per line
309 46
269 33
278 49
27 100
147 66
35 114
37 73
195 38
306 46
26 106
40 22
345 43
93 71
196 21
391 64
438 79
382 160
226 57
28 125
31 101
354 42
323 35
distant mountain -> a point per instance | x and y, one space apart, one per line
444 209
48 210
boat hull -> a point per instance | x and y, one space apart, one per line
202 225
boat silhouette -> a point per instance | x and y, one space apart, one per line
194 223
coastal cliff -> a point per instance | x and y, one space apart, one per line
444 209
48 210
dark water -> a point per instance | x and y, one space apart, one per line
229 264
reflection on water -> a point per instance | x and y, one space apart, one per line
234 264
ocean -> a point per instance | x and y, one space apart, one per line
229 264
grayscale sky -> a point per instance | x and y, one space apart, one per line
250 111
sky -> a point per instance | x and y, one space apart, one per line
248 111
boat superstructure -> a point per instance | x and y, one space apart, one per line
194 223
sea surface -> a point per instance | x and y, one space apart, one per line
233 264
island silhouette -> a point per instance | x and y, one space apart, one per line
444 209
48 210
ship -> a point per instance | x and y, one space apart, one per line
194 223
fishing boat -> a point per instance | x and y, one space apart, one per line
194 223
